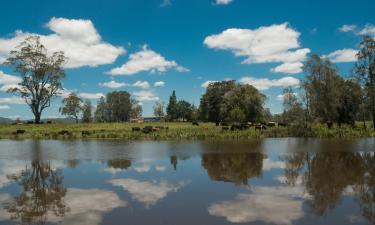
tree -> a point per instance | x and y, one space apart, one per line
71 106
246 98
236 115
101 111
172 106
365 70
42 194
183 110
136 111
350 102
87 112
158 109
321 85
41 74
119 105
293 113
211 101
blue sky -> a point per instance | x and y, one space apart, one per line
181 44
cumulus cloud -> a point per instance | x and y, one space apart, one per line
369 29
8 81
295 67
91 95
348 28
143 168
141 84
223 2
273 44
77 38
145 96
146 60
165 3
115 85
88 206
148 193
4 107
12 100
205 84
265 83
343 55
273 205
159 84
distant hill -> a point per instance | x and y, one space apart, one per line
4 120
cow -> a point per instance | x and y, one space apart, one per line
136 129
195 123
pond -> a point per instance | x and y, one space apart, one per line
271 181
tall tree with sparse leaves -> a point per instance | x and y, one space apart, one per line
365 69
41 74
87 112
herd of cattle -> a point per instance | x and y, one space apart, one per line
149 129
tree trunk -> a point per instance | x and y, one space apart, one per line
76 119
37 117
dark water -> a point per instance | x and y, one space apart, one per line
274 181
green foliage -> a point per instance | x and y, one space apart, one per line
183 110
365 71
41 74
71 106
211 101
159 109
116 107
87 112
172 107
236 115
136 111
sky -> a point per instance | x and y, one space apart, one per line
152 47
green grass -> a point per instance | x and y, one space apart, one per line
176 131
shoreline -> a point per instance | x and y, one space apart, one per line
172 131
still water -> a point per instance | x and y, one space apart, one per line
271 181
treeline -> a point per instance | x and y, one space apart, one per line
117 106
324 96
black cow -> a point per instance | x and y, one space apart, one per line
136 129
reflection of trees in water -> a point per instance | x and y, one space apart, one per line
326 176
236 168
42 194
122 164
366 189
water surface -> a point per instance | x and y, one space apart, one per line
271 181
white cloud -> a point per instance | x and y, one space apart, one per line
12 100
205 84
113 84
273 205
272 44
348 28
269 164
265 83
148 193
160 168
145 96
141 84
223 2
281 96
4 107
8 81
87 206
343 55
159 84
77 38
143 168
91 95
146 60
369 29
295 67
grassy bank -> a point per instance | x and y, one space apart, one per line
175 131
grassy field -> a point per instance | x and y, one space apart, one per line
175 131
